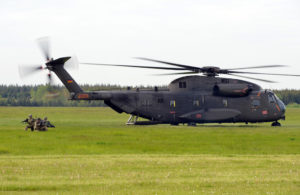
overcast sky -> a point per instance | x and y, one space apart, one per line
228 34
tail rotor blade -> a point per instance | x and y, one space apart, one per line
25 71
44 44
49 78
52 91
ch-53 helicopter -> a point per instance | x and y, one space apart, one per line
188 99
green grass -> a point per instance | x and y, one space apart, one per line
150 174
93 151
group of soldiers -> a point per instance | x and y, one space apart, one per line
37 124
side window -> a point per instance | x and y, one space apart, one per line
182 84
255 103
196 103
146 103
224 80
160 100
225 102
172 103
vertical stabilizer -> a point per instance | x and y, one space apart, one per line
57 66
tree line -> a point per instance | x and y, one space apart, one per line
288 96
45 95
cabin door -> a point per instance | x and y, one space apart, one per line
172 106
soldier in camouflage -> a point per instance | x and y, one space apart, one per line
30 122
47 123
39 125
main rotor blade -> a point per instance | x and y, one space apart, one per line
274 74
25 71
179 73
135 66
193 68
256 67
44 44
267 81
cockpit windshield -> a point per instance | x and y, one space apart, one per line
271 97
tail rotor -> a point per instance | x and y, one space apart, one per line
49 64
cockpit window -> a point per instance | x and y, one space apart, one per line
271 98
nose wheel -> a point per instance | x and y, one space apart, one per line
276 124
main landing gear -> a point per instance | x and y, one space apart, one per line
276 124
132 120
192 124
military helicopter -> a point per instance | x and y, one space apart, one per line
188 99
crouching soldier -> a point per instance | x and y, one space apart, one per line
47 123
40 125
30 123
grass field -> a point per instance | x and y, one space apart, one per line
93 151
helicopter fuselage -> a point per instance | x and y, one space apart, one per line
196 99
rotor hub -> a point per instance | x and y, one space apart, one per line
211 71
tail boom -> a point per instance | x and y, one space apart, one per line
76 93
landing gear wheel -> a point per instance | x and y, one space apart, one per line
192 124
276 124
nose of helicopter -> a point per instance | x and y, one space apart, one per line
282 108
